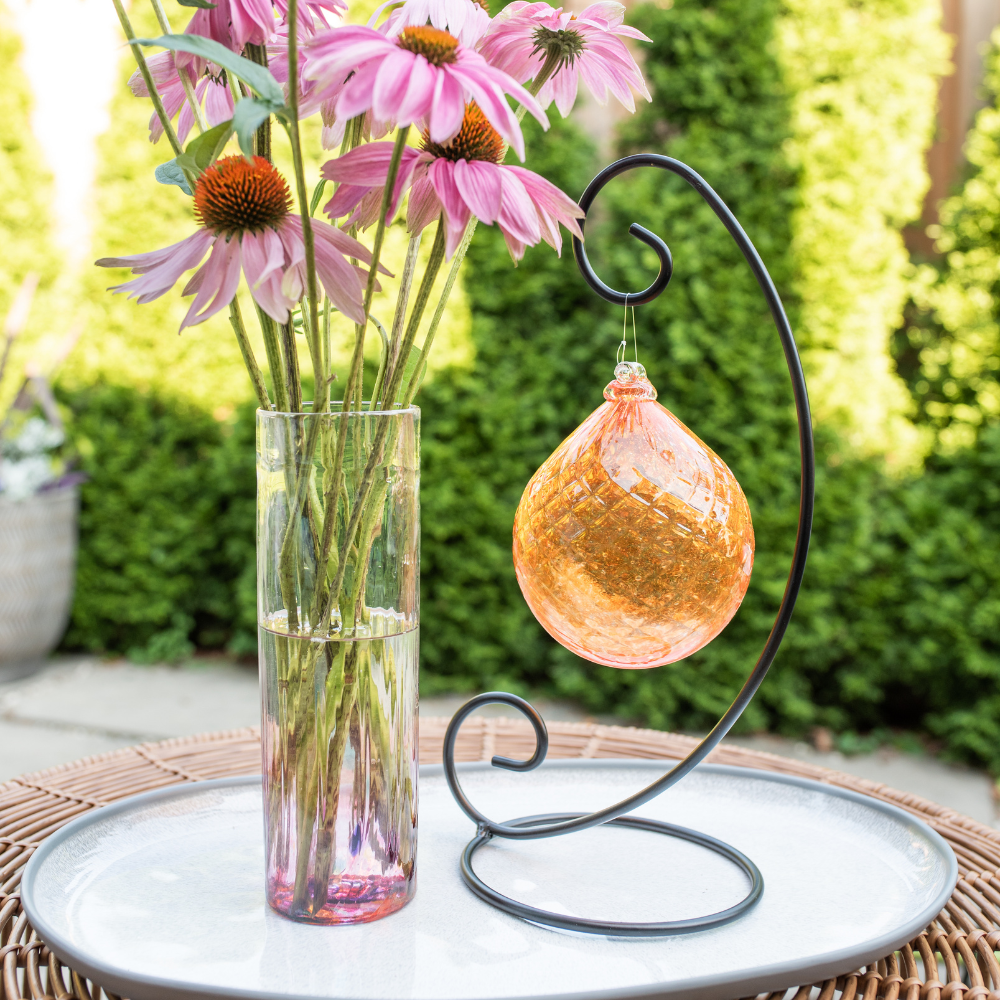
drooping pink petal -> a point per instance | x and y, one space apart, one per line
392 82
365 168
331 55
263 265
414 103
518 215
340 279
218 102
355 97
160 269
562 89
345 200
552 205
480 186
441 174
218 278
447 107
424 205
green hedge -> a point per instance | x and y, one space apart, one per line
897 621
166 526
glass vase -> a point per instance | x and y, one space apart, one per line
338 585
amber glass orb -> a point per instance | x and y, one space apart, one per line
633 544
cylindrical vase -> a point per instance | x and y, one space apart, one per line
338 590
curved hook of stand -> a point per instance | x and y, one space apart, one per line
491 698
535 827
640 233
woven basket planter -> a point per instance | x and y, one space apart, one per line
37 570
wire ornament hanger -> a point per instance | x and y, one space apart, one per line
554 825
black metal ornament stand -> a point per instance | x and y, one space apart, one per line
554 825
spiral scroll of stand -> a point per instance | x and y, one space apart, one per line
554 825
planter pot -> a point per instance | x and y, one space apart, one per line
338 564
37 572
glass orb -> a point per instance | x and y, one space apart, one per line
633 544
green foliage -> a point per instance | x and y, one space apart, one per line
896 622
166 525
862 77
789 119
125 343
545 349
950 347
25 193
24 184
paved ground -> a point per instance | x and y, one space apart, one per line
75 707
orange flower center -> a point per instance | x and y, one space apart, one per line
476 140
436 46
234 196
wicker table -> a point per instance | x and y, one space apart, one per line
952 959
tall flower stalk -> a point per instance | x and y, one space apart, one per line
338 536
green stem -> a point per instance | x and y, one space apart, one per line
154 94
258 54
420 366
293 381
325 835
382 364
236 318
274 361
234 86
355 376
300 185
183 74
382 429
551 64
327 352
394 382
390 184
402 300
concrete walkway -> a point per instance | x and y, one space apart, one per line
76 707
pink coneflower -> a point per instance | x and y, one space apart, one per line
460 179
218 100
467 20
588 45
312 13
244 211
234 23
424 75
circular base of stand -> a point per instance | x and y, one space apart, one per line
616 928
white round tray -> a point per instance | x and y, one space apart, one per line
160 896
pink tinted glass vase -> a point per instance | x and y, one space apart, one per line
338 562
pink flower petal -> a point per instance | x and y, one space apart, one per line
391 82
424 205
480 186
441 174
356 96
419 93
363 170
219 279
447 107
160 268
262 254
518 215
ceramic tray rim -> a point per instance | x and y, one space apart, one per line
706 987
